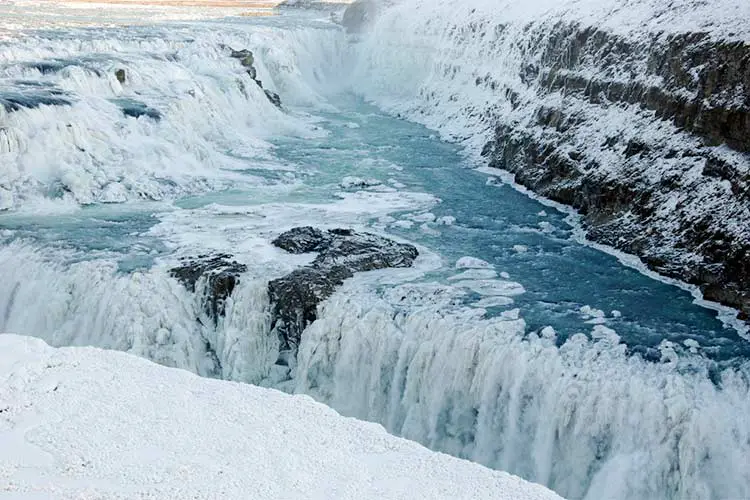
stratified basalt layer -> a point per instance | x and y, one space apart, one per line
676 190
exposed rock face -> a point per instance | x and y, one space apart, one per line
218 274
341 253
120 75
247 60
678 194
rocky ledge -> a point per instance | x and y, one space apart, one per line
672 184
214 277
247 60
295 297
341 253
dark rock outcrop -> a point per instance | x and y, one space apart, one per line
341 253
247 60
120 75
218 274
679 200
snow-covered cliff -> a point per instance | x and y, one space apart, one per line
637 113
86 423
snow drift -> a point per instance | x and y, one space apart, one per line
80 422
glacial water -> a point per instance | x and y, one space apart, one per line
542 355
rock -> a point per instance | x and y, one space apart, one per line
341 253
219 276
273 97
302 240
120 75
295 299
247 60
246 57
681 204
351 182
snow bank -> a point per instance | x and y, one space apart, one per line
81 422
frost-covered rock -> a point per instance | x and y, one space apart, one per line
636 114
341 253
215 277
247 60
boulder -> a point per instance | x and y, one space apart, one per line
341 253
217 275
245 57
247 60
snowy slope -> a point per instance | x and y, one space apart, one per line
87 423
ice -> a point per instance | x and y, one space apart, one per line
493 301
423 217
146 313
512 315
427 229
493 287
472 263
424 360
474 274
403 224
211 119
548 332
589 312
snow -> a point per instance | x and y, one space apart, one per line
472 263
87 423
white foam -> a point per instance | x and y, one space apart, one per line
476 387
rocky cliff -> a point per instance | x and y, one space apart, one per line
635 113
676 192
